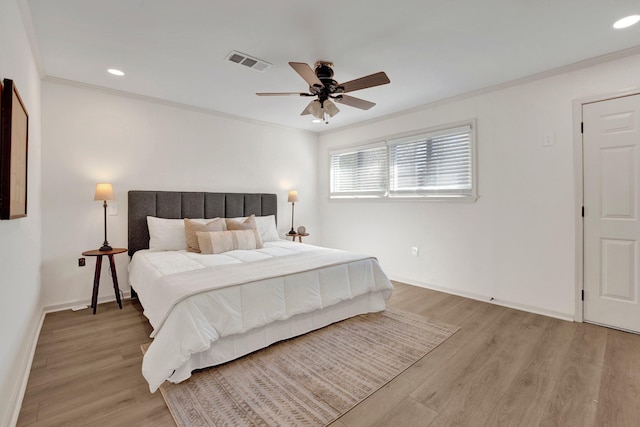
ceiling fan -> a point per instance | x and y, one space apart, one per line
327 90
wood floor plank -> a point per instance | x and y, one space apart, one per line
504 367
376 406
619 396
29 412
408 413
574 400
589 344
413 301
85 414
150 411
453 376
459 314
475 323
524 401
434 310
618 401
45 376
82 392
622 352
482 391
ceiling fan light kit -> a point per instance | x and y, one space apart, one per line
327 90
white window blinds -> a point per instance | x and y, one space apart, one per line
432 164
359 173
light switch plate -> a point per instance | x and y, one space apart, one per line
112 208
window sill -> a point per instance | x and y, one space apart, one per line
451 198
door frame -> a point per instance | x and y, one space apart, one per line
578 175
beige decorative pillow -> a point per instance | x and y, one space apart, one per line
217 242
191 227
247 224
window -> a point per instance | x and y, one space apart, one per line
436 164
360 172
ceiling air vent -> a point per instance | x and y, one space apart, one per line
248 61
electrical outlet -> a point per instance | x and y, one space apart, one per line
414 251
81 262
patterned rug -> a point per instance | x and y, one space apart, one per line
310 380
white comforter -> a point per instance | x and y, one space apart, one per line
193 300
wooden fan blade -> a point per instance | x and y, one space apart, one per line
306 73
283 94
372 80
352 101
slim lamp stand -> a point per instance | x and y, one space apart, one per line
292 231
105 245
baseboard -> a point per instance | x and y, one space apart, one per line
484 298
18 396
70 304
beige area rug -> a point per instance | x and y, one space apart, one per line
310 380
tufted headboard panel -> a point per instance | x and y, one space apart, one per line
188 204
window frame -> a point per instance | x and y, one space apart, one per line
396 139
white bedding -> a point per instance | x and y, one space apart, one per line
239 302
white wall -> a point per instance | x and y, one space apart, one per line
93 136
19 238
516 243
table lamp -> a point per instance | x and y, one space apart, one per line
293 198
104 192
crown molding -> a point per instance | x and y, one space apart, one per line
609 57
173 104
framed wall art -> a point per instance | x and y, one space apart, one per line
14 135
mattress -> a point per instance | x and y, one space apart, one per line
209 309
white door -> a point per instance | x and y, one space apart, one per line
611 150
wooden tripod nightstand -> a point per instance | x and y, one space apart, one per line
96 277
298 235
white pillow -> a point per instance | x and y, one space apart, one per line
266 226
167 234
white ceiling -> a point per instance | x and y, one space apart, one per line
431 50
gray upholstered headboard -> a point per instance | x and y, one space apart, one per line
183 204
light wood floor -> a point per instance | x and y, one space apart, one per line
504 367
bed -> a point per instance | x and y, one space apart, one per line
210 309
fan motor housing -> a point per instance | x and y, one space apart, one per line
324 72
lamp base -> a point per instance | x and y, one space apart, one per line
105 247
292 231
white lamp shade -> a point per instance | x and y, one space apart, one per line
315 108
104 191
293 196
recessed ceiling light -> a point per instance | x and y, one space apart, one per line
316 121
627 21
115 72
